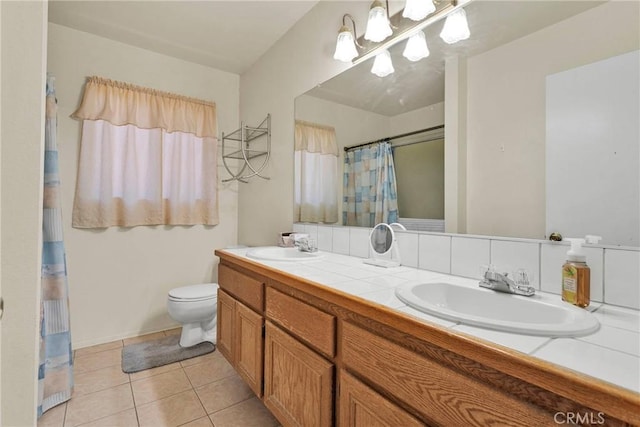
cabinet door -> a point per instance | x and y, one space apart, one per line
298 383
361 406
248 344
226 325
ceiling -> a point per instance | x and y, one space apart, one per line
232 35
226 35
419 84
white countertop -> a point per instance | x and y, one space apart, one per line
611 354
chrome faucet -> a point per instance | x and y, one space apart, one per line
306 245
501 282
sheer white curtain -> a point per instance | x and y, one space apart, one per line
316 173
146 158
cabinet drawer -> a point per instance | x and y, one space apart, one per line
247 289
443 395
315 327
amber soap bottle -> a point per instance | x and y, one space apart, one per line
576 276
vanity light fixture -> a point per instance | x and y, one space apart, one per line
456 27
378 25
346 45
416 47
417 10
382 65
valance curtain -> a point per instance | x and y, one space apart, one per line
316 173
147 157
369 186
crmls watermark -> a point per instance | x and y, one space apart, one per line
579 418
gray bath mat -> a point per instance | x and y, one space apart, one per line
163 351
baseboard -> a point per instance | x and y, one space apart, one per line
76 345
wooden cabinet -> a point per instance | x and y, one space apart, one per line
289 338
298 383
239 339
361 406
249 346
444 396
226 325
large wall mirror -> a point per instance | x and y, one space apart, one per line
481 166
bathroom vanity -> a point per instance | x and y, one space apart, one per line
318 356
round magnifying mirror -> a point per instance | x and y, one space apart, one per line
381 238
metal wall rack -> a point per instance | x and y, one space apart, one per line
245 135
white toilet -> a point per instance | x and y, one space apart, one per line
195 307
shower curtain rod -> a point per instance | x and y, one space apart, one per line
391 138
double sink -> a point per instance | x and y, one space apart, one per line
541 314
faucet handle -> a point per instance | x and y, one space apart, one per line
306 244
299 238
312 244
522 277
487 271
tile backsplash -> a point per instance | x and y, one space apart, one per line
615 272
468 255
434 253
622 276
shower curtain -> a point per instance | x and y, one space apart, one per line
55 370
369 187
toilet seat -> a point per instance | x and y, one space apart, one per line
203 292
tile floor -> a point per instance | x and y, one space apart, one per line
201 392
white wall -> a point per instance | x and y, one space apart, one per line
422 118
455 145
119 278
506 136
24 41
352 125
593 150
301 59
355 126
1 213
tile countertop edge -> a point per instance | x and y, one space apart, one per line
557 378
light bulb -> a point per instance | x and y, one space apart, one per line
382 65
416 47
455 27
345 46
378 26
416 10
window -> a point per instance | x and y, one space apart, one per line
316 173
146 158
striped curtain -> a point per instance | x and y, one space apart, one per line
370 193
55 371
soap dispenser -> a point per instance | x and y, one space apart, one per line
576 275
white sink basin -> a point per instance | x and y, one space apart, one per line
276 253
542 315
